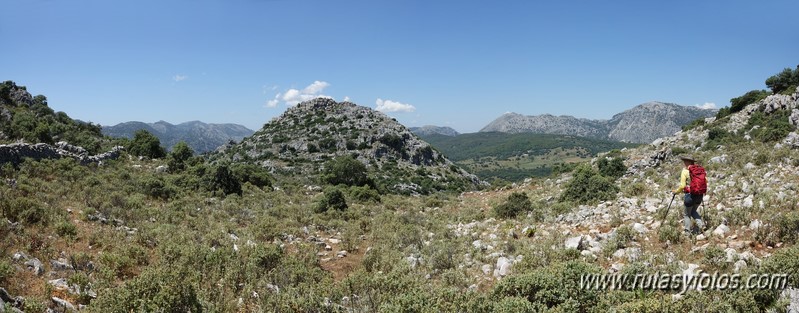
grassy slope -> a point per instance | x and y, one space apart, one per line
515 157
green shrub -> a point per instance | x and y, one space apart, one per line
694 124
670 233
739 103
347 171
155 290
715 257
786 81
156 188
181 153
516 304
636 189
25 210
146 144
6 270
515 204
364 194
333 198
786 228
66 229
588 186
772 127
613 168
552 286
250 173
225 181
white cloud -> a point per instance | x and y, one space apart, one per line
347 99
272 103
316 87
707 105
393 106
293 96
179 78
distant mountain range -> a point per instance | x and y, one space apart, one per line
201 137
429 130
641 124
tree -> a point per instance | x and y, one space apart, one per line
224 180
146 144
347 171
181 153
787 80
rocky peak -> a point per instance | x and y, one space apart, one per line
641 124
302 139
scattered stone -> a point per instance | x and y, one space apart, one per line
19 256
60 265
748 202
59 284
503 267
755 224
162 169
640 228
63 304
341 254
721 230
700 237
739 266
36 266
528 231
749 166
486 268
792 294
574 242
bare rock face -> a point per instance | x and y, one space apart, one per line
642 124
302 139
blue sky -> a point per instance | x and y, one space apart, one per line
453 63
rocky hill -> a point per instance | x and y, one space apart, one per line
641 124
302 139
429 130
28 118
201 137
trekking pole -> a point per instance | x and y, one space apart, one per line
667 209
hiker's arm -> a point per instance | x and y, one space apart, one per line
683 181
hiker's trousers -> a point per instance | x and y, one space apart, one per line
690 214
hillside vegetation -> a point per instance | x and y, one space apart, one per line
514 157
188 234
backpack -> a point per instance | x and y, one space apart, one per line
698 185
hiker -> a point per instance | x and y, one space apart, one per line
693 184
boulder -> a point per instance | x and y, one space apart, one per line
721 230
503 267
68 307
574 243
36 266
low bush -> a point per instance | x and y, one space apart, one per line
333 199
6 270
155 290
612 168
66 229
786 228
515 204
364 194
588 186
670 233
